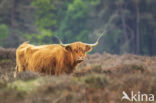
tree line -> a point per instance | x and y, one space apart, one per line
128 25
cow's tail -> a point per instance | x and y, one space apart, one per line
23 44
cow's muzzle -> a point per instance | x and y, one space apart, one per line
80 59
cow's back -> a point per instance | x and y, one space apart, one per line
48 59
44 58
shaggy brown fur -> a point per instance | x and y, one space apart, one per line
50 59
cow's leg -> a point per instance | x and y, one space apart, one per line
16 71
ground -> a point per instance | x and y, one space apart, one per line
101 78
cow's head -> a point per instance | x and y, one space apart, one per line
79 49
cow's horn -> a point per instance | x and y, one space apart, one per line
60 42
64 45
97 42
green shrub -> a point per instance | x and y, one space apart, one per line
46 36
4 32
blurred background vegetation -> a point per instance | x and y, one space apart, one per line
128 25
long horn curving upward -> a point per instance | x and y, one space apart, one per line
60 42
97 42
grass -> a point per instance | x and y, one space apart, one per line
25 86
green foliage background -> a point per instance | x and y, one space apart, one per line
128 25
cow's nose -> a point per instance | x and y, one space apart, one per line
80 59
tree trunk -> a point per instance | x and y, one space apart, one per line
123 20
11 38
12 18
125 39
137 28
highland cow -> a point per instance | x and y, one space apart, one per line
51 59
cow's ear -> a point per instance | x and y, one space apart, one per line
88 48
68 48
